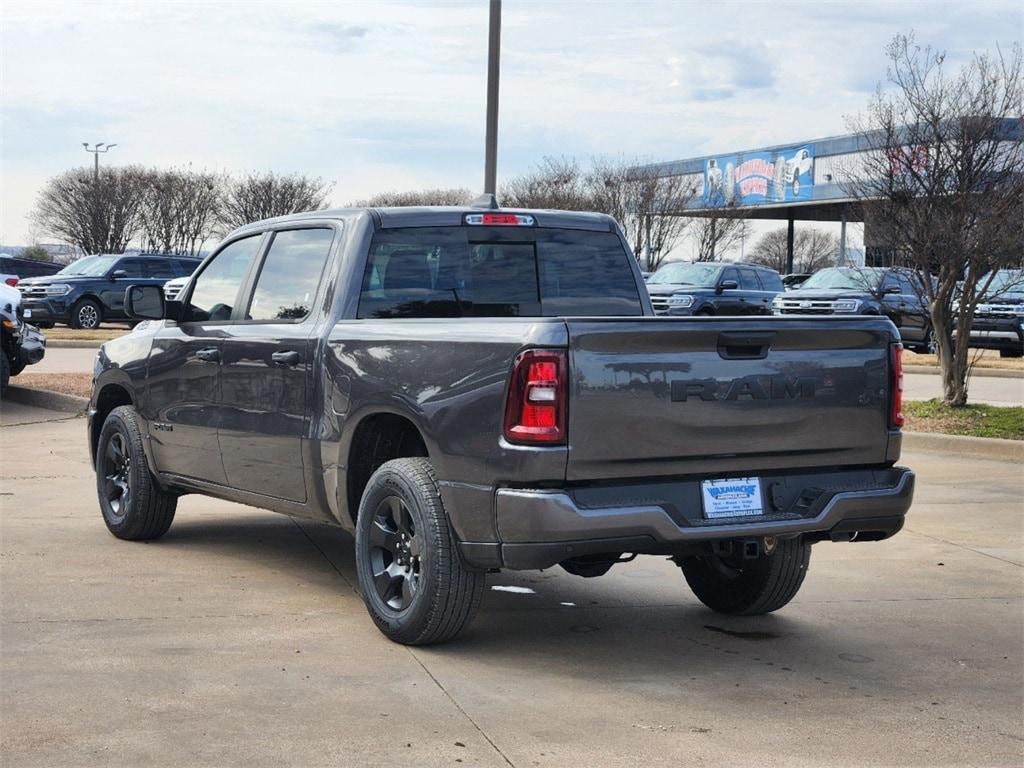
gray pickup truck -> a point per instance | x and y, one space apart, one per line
472 389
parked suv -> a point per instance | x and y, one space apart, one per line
893 292
999 317
91 290
713 288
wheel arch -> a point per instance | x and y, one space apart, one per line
377 437
108 397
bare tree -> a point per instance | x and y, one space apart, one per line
417 197
646 205
713 236
556 183
633 195
265 195
813 249
943 172
181 210
98 215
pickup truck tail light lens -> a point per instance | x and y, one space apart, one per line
896 385
11 281
537 392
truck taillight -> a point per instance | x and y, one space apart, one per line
12 281
537 392
896 385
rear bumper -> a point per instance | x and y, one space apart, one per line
539 528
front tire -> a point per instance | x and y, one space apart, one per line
5 372
411 574
134 507
1011 352
748 587
86 315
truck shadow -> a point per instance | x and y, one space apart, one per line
638 626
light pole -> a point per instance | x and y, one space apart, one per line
493 58
96 156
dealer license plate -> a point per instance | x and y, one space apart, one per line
734 497
28 313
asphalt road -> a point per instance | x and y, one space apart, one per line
239 639
919 386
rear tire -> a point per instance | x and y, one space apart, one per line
751 587
411 574
5 372
134 507
1011 352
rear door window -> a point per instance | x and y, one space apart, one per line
497 272
748 280
290 275
770 281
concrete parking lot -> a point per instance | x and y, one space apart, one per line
239 639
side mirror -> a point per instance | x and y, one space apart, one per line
727 285
117 274
144 302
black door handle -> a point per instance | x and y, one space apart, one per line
211 355
289 357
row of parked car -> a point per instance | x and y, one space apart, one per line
726 288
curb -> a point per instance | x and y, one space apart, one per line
44 398
72 344
990 373
973 447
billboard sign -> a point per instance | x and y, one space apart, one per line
755 178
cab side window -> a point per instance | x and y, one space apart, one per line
216 288
131 267
729 274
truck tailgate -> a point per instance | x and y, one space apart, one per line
711 396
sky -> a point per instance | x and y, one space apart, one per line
378 96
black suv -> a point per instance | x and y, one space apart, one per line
713 288
999 317
91 290
893 292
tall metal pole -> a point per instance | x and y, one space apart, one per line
96 166
493 58
789 245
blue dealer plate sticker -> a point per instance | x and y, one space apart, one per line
735 497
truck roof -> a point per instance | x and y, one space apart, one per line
445 216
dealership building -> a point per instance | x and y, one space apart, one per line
804 181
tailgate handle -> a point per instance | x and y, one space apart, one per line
736 345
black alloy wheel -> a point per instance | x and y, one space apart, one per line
117 472
395 551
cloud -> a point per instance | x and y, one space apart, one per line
383 95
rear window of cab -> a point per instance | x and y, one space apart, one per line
497 272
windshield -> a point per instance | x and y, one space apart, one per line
90 266
865 279
702 275
1006 281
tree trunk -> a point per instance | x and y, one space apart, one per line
952 356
